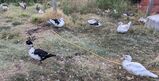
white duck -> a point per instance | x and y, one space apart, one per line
57 22
123 28
94 22
136 68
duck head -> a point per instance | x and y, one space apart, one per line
127 58
29 43
120 23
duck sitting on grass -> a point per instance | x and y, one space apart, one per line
123 28
136 68
94 22
57 22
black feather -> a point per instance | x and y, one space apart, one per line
37 7
42 54
96 23
28 42
56 21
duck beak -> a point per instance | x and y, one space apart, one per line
122 57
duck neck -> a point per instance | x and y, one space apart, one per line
30 47
126 61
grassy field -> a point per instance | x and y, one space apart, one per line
74 63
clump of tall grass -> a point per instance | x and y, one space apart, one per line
119 5
6 35
49 14
79 6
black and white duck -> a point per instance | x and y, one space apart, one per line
37 54
94 22
57 22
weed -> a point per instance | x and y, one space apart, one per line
18 77
24 15
119 5
36 19
15 23
8 35
5 28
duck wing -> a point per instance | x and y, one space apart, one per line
92 21
40 52
135 68
138 69
56 21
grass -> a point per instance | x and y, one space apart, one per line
75 6
16 65
120 6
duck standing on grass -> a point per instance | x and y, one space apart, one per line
37 54
136 68
57 22
22 5
123 28
94 22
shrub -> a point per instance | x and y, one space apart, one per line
36 19
15 23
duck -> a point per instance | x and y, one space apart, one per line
136 68
37 54
115 11
107 11
142 20
4 7
94 22
128 14
39 10
22 5
123 28
57 22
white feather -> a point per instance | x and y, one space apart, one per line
40 11
32 55
93 21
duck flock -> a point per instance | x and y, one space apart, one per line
134 68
